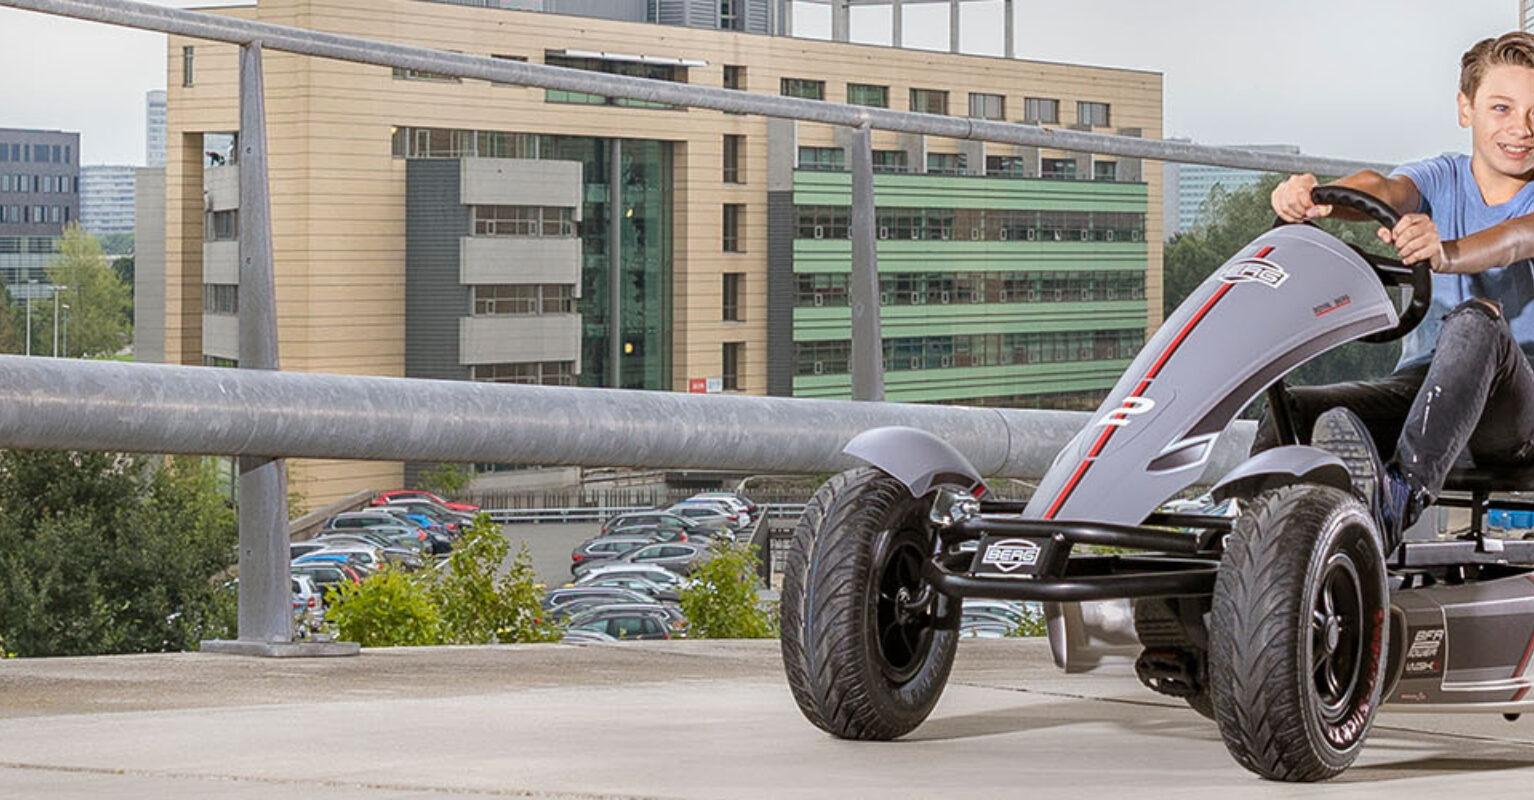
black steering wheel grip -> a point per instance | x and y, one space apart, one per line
1391 272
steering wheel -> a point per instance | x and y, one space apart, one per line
1390 271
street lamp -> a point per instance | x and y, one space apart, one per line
31 287
56 291
66 334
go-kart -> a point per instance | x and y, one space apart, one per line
1286 623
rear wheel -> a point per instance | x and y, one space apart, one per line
1298 633
867 643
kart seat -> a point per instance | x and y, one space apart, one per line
1490 480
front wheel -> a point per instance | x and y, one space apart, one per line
1298 633
867 643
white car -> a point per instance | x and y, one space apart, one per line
705 510
659 575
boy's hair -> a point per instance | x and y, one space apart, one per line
1515 48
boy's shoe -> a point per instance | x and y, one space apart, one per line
1391 498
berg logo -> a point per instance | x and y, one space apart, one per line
1132 407
1011 554
1255 270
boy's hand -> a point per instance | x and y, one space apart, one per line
1291 200
1415 238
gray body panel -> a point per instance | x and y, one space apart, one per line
1464 648
1252 321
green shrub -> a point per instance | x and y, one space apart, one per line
389 609
1033 623
721 602
447 480
479 606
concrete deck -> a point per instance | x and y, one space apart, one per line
683 719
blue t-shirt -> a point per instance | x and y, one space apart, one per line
1452 198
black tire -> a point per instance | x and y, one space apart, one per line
862 534
1295 694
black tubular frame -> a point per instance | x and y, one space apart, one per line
1180 563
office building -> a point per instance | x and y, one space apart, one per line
39 196
154 128
434 227
1189 187
106 199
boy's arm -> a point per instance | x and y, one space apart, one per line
1292 202
1497 246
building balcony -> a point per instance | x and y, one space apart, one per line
221 188
520 338
521 182
512 259
221 335
221 262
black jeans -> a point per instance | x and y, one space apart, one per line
1476 393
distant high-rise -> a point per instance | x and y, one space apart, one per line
39 195
106 199
154 130
1526 15
1188 187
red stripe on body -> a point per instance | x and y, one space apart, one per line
1166 355
1263 253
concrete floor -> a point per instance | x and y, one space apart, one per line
683 719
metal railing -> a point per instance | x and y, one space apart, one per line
266 415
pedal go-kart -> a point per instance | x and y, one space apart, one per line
1286 624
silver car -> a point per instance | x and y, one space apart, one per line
679 557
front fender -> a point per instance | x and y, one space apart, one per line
917 459
1282 466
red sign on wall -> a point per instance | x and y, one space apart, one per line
697 385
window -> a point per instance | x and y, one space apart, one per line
863 94
929 101
1105 170
947 163
1058 168
732 17
527 221
731 370
890 161
457 143
735 77
188 65
1094 114
545 373
733 144
222 226
731 302
524 299
1041 110
1006 166
220 298
663 72
733 242
987 106
804 89
822 159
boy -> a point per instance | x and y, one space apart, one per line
1463 378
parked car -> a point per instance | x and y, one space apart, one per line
983 630
731 499
436 511
402 556
352 520
384 497
584 636
1013 614
637 585
327 576
656 517
732 508
614 594
650 572
711 515
655 534
603 548
679 557
414 541
308 605
370 558
301 549
629 622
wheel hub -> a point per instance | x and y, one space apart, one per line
903 607
1337 625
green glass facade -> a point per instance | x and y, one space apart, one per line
993 290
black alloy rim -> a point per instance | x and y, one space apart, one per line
904 624
1337 637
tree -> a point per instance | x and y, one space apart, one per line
447 480
111 553
721 601
1234 219
98 321
11 341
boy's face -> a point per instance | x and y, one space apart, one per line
1500 117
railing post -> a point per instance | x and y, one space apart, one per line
265 595
867 340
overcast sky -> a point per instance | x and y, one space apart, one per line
1366 79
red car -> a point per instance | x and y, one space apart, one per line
385 497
